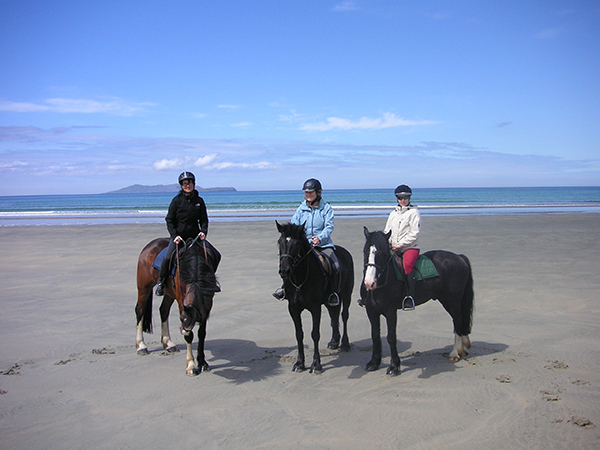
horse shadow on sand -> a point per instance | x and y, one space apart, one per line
430 363
241 361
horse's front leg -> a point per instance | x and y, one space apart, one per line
392 320
296 317
190 368
165 334
375 361
140 345
316 367
202 364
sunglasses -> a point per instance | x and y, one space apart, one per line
403 198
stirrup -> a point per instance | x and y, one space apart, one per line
334 299
279 294
361 302
408 304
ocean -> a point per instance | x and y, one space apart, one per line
90 209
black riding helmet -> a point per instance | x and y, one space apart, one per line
187 176
312 184
403 191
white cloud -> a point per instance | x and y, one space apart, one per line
205 160
114 106
168 164
388 120
229 106
345 6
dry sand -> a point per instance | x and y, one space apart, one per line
71 379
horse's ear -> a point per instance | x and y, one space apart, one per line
366 230
279 226
388 234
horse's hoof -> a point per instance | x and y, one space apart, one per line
173 349
345 347
333 345
372 367
203 368
191 372
298 368
143 352
316 369
393 371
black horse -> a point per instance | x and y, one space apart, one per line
306 286
193 286
382 291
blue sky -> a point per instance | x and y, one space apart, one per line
260 95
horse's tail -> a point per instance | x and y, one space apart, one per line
144 313
467 303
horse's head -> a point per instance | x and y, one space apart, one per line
293 246
376 256
198 284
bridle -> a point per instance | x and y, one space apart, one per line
296 260
380 270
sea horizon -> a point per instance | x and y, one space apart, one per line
229 206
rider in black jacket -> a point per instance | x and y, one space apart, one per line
186 218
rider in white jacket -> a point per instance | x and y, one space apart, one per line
404 222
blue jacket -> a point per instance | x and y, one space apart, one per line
317 222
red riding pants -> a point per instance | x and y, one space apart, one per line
410 257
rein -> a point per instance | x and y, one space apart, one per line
381 270
295 263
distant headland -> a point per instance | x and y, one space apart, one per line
162 189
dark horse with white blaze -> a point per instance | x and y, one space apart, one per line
306 286
382 292
192 286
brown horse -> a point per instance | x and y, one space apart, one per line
192 286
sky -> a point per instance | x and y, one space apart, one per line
261 95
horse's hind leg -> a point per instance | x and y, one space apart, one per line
461 344
143 312
165 334
334 314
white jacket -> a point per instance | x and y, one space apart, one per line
404 222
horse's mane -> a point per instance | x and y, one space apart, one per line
195 269
292 231
379 239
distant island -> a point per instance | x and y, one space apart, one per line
163 188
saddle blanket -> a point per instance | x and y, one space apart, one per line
423 268
214 260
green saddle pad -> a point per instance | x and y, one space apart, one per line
423 268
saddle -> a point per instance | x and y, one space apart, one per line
214 257
423 268
326 263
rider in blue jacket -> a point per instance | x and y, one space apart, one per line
317 217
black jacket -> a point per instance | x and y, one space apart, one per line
187 216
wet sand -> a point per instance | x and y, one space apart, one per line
70 376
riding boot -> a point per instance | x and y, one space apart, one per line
279 294
162 275
334 298
408 304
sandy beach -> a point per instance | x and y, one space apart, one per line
70 377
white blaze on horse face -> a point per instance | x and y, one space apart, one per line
371 272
